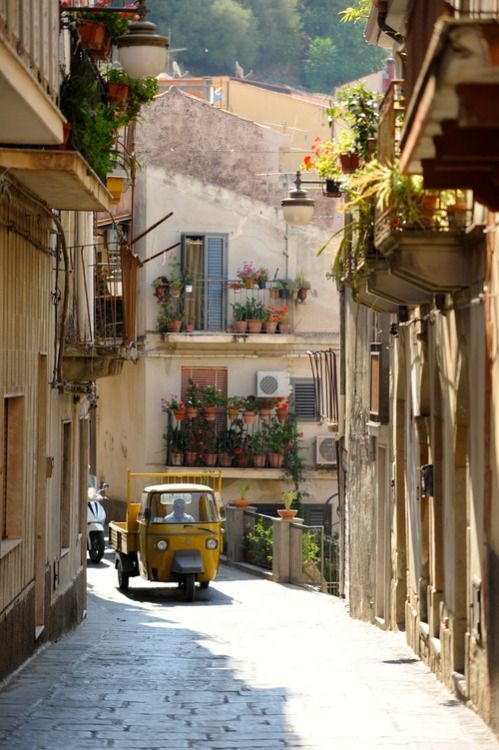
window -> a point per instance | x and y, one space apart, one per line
204 376
204 259
378 406
304 401
66 484
11 497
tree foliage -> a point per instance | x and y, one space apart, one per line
299 42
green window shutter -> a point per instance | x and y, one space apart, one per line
216 276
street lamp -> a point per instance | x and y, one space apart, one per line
298 208
141 52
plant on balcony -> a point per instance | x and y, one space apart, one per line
288 497
258 446
323 160
209 445
160 285
193 400
357 108
210 401
248 274
239 313
302 286
116 24
169 317
256 313
176 445
242 501
234 405
174 405
261 277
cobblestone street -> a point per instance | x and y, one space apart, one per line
251 664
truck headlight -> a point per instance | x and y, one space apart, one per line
161 544
211 543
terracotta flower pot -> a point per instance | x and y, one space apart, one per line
255 326
349 162
249 417
287 513
259 460
270 326
225 459
179 415
210 413
265 413
192 412
233 413
240 326
191 458
281 414
284 327
117 93
243 460
241 502
210 459
176 459
175 326
276 460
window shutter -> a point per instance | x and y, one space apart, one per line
305 406
215 264
204 376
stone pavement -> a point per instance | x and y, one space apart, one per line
251 664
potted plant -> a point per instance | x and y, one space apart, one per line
209 453
176 446
456 209
255 314
242 501
248 274
250 410
175 406
302 287
284 324
239 313
258 446
282 408
160 285
118 86
323 160
357 108
210 400
192 401
261 277
225 446
234 406
288 498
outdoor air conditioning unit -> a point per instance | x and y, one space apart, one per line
272 383
325 451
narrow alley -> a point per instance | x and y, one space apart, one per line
250 664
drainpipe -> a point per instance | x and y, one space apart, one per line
382 6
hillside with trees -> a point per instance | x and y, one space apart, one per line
298 42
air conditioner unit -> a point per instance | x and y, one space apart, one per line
325 451
272 383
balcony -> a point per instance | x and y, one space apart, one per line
234 316
452 125
102 352
29 73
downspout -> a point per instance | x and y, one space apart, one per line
382 7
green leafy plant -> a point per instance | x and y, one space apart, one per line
323 160
357 107
255 309
193 396
288 497
209 395
239 311
258 544
243 489
258 443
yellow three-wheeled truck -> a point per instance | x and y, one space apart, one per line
174 534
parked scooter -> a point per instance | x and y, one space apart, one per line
96 517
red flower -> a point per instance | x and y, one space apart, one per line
307 160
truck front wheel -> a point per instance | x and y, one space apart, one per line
189 587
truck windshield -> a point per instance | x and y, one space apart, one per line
183 507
